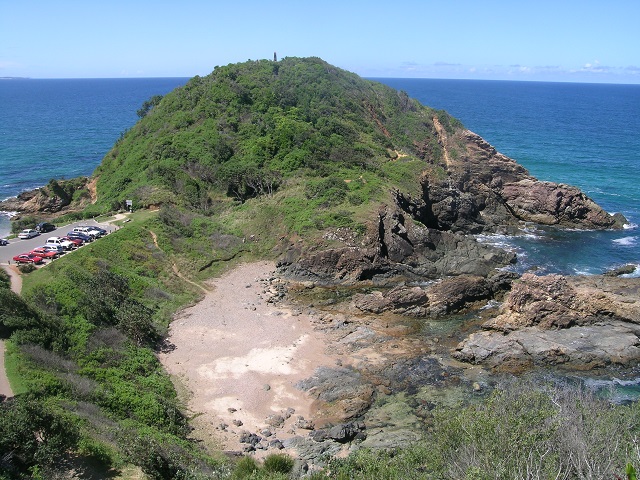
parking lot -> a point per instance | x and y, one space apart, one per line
17 246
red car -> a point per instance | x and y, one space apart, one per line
77 241
27 258
44 253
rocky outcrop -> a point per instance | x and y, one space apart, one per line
555 204
53 198
439 298
475 189
396 249
485 190
580 322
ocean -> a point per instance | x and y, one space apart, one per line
63 128
586 135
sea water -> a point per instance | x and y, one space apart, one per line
63 128
586 135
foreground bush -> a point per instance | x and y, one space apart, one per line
521 431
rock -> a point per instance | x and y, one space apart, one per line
304 424
237 423
577 322
275 420
448 295
341 392
277 444
555 204
341 433
624 270
250 438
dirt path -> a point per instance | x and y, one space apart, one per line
239 358
443 140
16 286
175 268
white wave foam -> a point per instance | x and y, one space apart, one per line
626 241
630 226
8 214
634 274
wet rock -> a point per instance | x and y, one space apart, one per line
624 270
411 374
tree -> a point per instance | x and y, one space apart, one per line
148 105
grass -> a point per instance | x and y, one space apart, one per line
12 366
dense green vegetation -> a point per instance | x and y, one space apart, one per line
316 143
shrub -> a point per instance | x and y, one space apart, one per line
27 268
245 467
278 463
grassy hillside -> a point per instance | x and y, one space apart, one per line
319 142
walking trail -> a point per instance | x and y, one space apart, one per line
16 286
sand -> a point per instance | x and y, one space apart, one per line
238 358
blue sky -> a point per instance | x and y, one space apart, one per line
560 40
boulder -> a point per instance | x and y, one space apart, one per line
578 322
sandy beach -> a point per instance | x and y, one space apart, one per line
238 358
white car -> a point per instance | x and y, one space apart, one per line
4 241
66 244
28 233
54 248
93 233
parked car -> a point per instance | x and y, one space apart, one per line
101 231
77 241
54 248
4 241
27 258
66 244
85 238
45 227
45 253
28 233
87 231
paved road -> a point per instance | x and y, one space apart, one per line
17 246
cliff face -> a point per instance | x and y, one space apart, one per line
487 191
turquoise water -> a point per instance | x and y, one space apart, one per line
581 134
